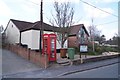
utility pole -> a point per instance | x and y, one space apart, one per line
41 25
93 36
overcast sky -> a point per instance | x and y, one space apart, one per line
28 10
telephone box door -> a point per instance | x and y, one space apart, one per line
45 44
52 47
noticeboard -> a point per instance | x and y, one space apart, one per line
83 48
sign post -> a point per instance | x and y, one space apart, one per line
83 49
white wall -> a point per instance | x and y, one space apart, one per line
59 44
12 33
31 38
48 32
35 39
26 38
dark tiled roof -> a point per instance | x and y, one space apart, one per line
46 27
75 28
23 26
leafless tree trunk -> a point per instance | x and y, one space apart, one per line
92 31
63 19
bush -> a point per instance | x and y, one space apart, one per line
76 50
91 53
98 50
111 49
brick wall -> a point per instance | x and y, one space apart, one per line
33 56
72 42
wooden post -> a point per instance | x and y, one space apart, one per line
41 26
46 61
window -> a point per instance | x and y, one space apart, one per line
82 36
79 34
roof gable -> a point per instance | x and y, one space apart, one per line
75 29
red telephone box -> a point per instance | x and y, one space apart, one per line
49 46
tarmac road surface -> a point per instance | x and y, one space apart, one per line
110 71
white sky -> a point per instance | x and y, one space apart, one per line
28 10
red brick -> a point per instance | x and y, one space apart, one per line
33 56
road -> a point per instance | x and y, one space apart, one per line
14 66
110 71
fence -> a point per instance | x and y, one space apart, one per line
33 56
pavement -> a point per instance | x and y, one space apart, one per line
85 58
12 63
76 57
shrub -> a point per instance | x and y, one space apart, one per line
98 50
91 53
76 50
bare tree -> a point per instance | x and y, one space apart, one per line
1 29
94 33
63 19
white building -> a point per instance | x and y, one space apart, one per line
28 33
